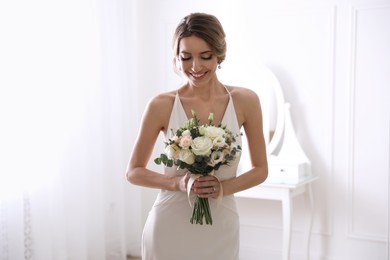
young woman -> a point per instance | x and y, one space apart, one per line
200 48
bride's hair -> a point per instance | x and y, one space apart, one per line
204 26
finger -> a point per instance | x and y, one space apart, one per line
206 183
204 190
210 190
207 178
210 193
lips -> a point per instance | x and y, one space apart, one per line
198 75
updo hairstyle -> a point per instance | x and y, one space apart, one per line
204 26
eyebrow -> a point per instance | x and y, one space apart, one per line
204 52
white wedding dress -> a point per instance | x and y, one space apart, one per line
168 233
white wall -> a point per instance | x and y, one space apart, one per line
333 60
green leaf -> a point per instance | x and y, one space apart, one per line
163 157
169 163
157 161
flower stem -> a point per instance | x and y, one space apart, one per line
201 210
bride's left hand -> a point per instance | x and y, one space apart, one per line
207 187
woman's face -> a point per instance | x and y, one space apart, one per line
197 62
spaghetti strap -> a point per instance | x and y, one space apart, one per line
227 90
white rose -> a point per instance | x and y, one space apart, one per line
202 145
214 132
172 151
187 156
219 141
216 157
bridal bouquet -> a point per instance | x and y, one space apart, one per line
201 149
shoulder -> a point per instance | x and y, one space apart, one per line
162 100
159 108
243 96
246 103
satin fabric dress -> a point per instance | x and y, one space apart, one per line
168 233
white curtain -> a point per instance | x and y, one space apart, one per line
64 105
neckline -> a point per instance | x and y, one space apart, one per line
183 112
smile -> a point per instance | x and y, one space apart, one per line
198 75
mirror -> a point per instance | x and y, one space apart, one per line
261 80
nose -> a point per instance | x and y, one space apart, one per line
196 65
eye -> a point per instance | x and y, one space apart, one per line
208 57
185 58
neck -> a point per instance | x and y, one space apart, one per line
206 91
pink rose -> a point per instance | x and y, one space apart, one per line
185 141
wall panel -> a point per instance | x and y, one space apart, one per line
370 114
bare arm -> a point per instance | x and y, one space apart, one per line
154 120
249 113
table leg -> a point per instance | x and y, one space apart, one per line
309 219
287 212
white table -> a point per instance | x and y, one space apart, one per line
285 193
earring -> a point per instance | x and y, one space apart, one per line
219 66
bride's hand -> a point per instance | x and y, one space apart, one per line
207 187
